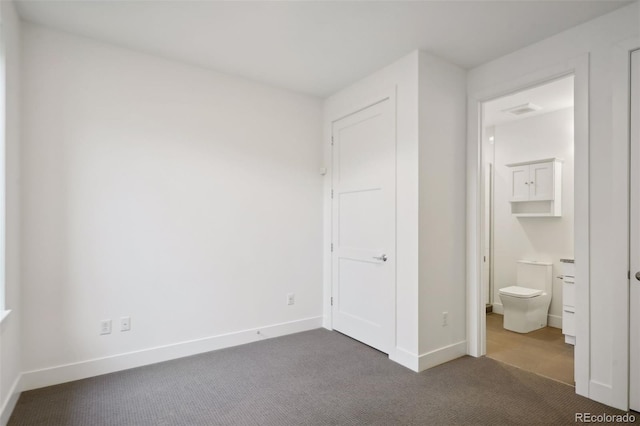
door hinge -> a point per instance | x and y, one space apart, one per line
332 247
332 301
332 193
331 140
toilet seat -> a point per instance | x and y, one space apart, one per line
520 292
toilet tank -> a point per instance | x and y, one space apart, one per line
532 274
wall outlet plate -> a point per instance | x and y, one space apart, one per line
125 323
105 326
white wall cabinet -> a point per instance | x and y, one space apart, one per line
536 188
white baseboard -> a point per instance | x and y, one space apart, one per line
554 321
406 359
95 367
327 322
427 360
442 355
11 401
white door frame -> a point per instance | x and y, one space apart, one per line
622 137
388 325
634 249
476 322
346 110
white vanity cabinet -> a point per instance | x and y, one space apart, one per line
536 188
568 301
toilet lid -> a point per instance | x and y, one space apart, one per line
522 292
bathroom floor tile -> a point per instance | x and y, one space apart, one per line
542 351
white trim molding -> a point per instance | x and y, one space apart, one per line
476 321
430 359
406 358
11 401
617 393
95 367
4 314
554 321
442 355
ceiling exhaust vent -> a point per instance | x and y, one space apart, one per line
522 109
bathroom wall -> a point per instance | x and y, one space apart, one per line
537 238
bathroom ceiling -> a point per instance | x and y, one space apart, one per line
549 97
315 47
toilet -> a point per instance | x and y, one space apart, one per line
526 304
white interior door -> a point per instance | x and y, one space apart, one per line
363 225
634 372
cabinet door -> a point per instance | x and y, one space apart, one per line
541 181
519 183
568 321
568 294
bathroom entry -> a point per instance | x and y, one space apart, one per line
528 221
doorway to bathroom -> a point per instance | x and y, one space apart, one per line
528 272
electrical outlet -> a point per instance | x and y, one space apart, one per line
291 298
105 326
445 318
125 323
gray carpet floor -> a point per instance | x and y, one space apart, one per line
317 377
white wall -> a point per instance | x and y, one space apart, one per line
541 239
10 365
442 210
184 198
430 164
608 261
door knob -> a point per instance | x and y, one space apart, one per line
384 258
638 275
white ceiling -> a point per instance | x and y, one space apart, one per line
315 47
550 97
